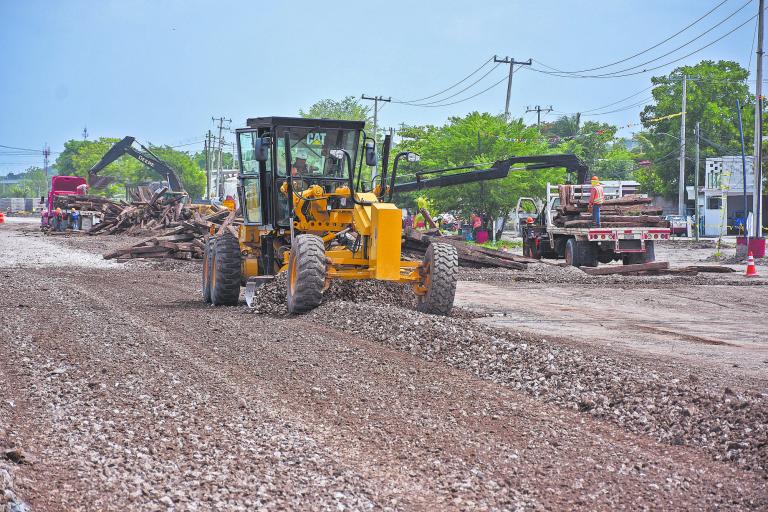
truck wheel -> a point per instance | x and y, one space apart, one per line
225 271
306 273
650 252
207 261
571 253
441 262
588 256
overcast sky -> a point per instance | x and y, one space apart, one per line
159 69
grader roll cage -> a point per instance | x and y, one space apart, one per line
333 227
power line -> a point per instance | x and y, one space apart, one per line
451 87
653 68
463 99
644 51
447 97
636 66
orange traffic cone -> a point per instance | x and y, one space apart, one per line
751 270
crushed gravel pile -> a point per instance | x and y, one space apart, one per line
730 425
270 299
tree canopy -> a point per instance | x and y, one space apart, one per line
478 138
712 91
348 108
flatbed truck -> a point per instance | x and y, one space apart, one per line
588 246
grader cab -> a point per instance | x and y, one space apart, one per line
307 210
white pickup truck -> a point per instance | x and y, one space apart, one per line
588 246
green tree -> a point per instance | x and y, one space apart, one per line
712 91
348 108
35 181
479 138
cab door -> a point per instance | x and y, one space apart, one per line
252 181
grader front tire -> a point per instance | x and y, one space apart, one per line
306 274
441 263
225 271
207 265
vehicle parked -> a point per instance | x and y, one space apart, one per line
678 224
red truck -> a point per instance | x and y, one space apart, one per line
61 186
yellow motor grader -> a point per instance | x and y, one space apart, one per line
307 210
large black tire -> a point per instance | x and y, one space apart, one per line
441 263
207 264
306 273
579 253
225 271
635 258
650 252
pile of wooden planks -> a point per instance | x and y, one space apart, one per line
657 268
473 256
627 211
183 242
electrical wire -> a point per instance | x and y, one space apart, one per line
461 100
644 51
452 95
451 87
618 73
754 35
653 68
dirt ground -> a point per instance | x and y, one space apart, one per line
121 390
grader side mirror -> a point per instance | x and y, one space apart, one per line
261 148
370 154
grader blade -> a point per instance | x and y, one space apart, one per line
252 285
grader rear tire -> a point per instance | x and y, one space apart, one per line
441 262
306 274
207 264
225 271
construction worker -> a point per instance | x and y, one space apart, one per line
74 219
58 220
596 199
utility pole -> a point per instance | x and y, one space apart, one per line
697 129
511 62
46 154
681 187
757 194
538 111
376 100
208 165
220 141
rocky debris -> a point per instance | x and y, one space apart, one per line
9 501
730 425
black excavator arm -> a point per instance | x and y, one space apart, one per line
145 156
499 169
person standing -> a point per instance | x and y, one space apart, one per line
596 199
74 219
58 220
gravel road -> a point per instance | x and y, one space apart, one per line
122 390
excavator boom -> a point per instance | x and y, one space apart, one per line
145 156
499 169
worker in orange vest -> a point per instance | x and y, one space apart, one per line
596 199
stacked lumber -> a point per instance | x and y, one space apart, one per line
183 242
658 268
473 256
627 211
